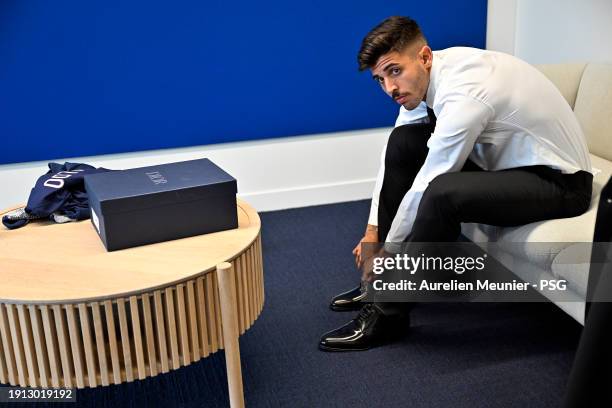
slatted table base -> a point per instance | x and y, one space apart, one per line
121 339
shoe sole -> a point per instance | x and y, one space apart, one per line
353 308
327 348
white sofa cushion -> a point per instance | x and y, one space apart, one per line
573 264
593 108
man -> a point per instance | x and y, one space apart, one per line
504 148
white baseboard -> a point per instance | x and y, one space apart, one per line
311 195
272 174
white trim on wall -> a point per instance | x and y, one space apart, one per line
501 25
272 174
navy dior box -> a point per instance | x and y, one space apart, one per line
159 203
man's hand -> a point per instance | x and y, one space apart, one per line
367 272
370 237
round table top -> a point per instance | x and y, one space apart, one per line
45 262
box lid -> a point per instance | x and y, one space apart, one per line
159 185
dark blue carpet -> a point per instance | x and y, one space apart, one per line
457 355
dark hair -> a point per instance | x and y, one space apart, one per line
393 34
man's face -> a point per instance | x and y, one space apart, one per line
404 76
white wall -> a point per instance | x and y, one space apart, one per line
501 25
272 174
551 31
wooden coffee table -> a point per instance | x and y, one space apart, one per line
74 315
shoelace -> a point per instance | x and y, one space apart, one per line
363 286
365 313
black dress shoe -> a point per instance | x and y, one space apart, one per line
349 300
369 329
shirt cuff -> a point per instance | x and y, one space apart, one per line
373 218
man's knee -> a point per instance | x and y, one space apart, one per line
407 144
436 219
443 192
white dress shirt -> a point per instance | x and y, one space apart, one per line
496 110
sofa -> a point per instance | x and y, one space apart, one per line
557 249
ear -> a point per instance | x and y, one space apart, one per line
425 56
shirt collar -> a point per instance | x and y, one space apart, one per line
434 78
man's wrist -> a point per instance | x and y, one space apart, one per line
371 233
371 228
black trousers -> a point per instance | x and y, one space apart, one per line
503 198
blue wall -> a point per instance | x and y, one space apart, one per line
92 77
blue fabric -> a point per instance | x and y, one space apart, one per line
61 189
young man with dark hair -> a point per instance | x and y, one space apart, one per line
481 137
